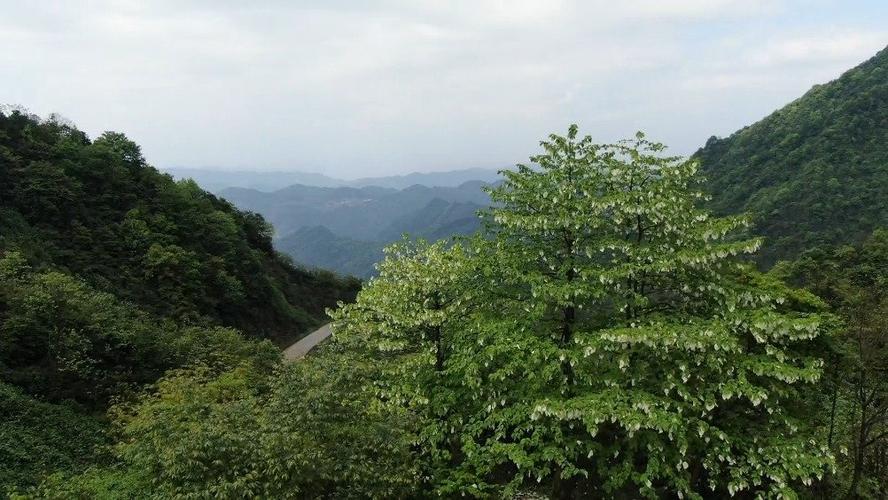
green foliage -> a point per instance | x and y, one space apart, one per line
412 316
93 483
62 339
813 172
65 342
98 210
420 295
854 280
604 339
311 431
111 274
37 437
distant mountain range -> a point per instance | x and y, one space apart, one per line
345 228
813 173
217 180
317 246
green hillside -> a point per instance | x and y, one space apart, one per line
318 247
111 275
814 172
97 210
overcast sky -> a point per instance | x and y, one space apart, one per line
370 88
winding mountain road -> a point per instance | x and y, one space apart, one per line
300 349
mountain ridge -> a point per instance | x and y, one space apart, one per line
814 172
355 213
216 180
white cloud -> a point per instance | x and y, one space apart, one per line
402 85
766 62
819 48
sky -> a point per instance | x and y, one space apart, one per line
361 88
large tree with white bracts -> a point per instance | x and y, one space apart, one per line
614 344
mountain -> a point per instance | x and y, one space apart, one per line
96 210
438 219
814 172
451 178
113 274
216 181
355 223
317 246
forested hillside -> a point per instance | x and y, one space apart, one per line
814 172
97 210
112 274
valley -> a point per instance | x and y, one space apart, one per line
604 320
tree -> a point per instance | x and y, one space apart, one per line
412 316
867 343
309 430
419 297
616 346
120 145
853 280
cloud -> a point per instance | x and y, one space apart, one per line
819 48
353 88
760 63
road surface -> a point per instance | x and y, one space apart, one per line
307 343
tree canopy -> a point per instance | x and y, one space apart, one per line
97 210
603 339
112 274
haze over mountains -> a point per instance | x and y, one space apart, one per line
215 180
343 225
345 228
831 140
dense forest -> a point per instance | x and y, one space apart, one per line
604 339
95 209
606 333
812 173
111 274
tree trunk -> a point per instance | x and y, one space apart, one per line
439 351
832 412
858 455
562 489
569 316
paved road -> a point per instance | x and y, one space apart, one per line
307 343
